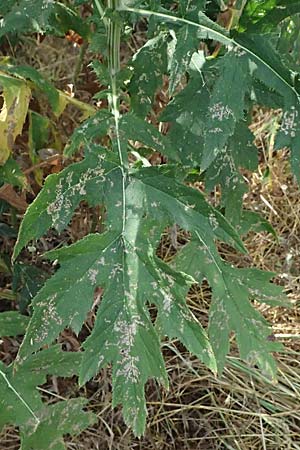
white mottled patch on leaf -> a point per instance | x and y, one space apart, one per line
127 332
92 275
213 221
220 112
290 122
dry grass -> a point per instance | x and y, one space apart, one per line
241 409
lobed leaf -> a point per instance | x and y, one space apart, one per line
209 130
21 402
123 263
231 309
55 204
40 16
60 419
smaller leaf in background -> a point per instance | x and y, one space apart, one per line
251 220
187 114
38 133
12 323
16 95
226 105
27 280
26 15
240 152
288 43
136 129
223 171
231 309
91 129
40 16
21 403
62 418
180 50
65 19
38 138
264 17
11 173
149 64
268 67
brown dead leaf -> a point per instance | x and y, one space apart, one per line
8 194
16 95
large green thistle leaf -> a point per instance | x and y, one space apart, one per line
187 128
122 261
143 299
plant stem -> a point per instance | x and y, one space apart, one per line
101 12
114 36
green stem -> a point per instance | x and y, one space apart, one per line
101 11
114 37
